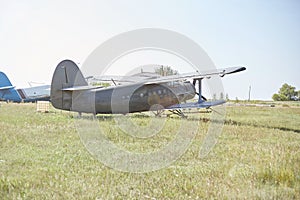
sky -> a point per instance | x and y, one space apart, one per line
260 35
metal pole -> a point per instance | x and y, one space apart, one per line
249 93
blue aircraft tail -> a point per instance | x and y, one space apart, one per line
7 91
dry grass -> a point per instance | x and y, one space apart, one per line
257 156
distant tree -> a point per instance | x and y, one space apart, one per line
214 96
227 97
278 97
286 93
165 71
221 95
297 96
236 100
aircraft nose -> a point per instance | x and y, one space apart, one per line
190 91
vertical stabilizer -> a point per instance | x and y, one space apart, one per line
7 91
66 75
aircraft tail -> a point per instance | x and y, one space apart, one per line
4 81
66 76
7 91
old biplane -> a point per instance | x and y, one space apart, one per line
70 91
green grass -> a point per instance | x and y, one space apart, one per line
257 156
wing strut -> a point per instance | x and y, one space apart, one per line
201 98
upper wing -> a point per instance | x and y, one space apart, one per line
161 79
151 78
196 75
136 78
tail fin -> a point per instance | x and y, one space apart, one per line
66 75
4 81
7 91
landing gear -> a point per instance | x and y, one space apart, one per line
157 113
157 110
179 113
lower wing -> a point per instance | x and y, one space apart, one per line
203 104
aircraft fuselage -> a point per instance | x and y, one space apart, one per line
131 98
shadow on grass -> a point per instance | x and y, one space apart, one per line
237 123
110 117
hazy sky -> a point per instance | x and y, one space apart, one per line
261 35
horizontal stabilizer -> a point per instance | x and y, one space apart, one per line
7 88
81 88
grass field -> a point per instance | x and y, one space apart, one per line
257 157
